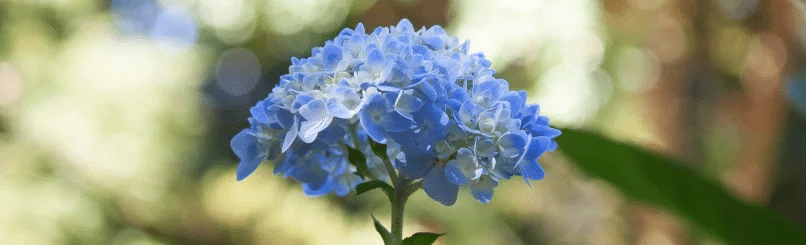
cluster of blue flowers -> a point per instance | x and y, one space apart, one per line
442 115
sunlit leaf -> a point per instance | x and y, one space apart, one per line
658 180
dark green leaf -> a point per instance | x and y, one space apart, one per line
421 238
658 180
358 160
367 186
379 149
385 235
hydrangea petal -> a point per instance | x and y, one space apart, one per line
345 183
485 148
314 190
284 117
314 110
536 147
531 170
332 56
546 131
394 122
511 144
372 117
482 189
308 130
345 103
407 102
417 162
404 26
427 89
460 170
247 148
437 187
468 114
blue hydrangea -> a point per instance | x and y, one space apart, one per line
441 113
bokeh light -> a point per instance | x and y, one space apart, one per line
739 9
638 70
10 83
134 16
174 29
289 17
558 37
233 21
237 71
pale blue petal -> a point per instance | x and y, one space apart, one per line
407 102
468 113
345 183
531 170
375 61
405 25
546 131
291 135
511 144
331 56
314 190
394 122
417 162
454 172
301 99
284 117
439 188
337 109
536 147
424 87
332 135
372 117
247 148
399 75
461 169
516 103
344 103
374 131
485 148
482 189
435 42
552 146
259 112
314 110
308 130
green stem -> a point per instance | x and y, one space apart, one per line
389 169
402 192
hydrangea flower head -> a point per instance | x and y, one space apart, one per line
441 113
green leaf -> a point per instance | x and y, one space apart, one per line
368 186
358 160
664 182
379 149
421 238
385 235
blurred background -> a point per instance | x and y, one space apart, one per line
116 116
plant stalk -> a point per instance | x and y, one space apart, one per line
403 189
